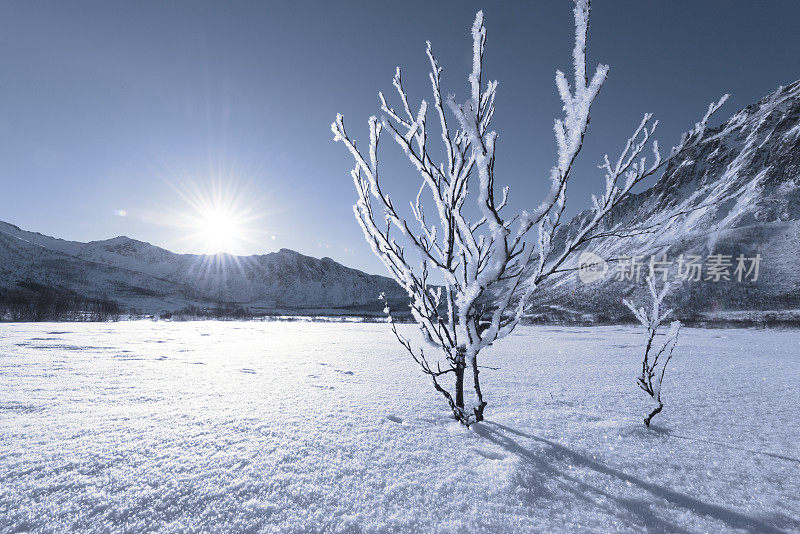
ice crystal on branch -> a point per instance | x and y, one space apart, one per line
490 264
654 363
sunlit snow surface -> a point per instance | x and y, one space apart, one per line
302 427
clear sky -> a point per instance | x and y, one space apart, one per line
115 117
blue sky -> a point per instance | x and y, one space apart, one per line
108 107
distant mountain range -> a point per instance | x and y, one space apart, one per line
739 193
150 279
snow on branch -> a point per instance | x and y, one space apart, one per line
490 264
655 360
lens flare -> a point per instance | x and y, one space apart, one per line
220 230
220 217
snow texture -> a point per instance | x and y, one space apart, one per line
301 427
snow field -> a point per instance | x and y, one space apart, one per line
310 427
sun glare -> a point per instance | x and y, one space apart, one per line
221 217
220 230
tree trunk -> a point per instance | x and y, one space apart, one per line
653 414
478 410
459 372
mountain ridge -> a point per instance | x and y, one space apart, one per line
737 191
143 276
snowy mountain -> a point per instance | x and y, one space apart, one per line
141 276
735 193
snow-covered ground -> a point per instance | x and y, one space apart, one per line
303 427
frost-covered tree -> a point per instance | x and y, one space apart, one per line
655 361
489 263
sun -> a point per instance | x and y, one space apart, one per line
221 217
220 229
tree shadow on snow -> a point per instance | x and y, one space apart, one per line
668 432
544 463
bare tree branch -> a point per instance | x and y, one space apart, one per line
483 262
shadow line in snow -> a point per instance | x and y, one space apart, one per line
499 434
669 433
639 510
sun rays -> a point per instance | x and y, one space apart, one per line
221 217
